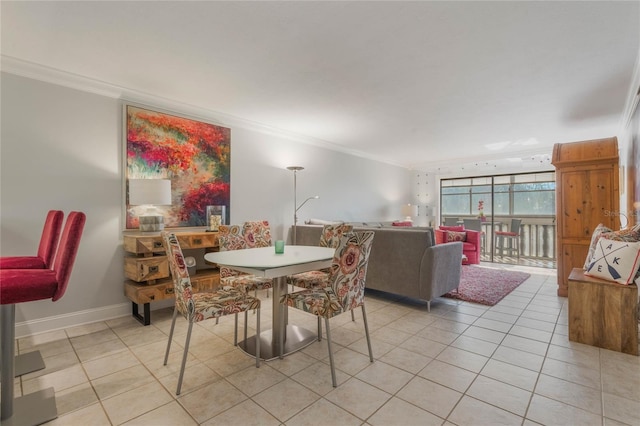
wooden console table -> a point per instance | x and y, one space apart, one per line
147 269
603 313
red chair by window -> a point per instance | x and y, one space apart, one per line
26 285
46 249
470 241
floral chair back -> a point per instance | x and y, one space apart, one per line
181 282
257 234
349 268
230 238
332 234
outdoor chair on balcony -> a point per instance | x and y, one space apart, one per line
512 236
451 221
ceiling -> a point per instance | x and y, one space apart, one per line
409 83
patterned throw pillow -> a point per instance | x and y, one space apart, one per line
453 236
631 235
597 233
615 261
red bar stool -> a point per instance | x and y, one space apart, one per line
46 250
26 285
32 361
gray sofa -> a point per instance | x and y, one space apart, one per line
404 261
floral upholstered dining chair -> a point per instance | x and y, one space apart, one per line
195 307
345 291
257 233
233 237
331 236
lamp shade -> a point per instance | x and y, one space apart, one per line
409 210
149 191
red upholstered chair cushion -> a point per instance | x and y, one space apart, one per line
26 285
507 233
22 262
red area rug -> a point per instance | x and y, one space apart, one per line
486 286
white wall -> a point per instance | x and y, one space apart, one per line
61 149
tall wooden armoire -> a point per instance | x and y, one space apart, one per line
587 185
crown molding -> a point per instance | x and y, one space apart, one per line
59 77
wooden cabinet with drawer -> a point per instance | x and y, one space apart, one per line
147 270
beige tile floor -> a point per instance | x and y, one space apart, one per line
460 364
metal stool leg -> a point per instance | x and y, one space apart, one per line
32 409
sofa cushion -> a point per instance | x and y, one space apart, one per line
453 236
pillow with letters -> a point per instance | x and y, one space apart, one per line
615 261
630 235
597 233
453 236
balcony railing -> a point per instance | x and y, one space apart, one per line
537 237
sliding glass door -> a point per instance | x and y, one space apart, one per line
496 200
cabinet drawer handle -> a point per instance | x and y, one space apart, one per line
153 269
157 244
197 241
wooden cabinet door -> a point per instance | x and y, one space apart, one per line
585 200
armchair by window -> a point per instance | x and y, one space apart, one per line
470 241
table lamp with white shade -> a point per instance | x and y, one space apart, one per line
409 211
150 193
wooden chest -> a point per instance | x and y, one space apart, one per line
603 313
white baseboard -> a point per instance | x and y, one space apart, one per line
58 322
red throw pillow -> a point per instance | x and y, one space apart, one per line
453 236
402 223
452 228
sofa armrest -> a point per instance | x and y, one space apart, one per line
473 237
440 236
440 270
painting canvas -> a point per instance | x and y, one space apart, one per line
194 155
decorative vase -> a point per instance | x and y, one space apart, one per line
215 217
483 218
